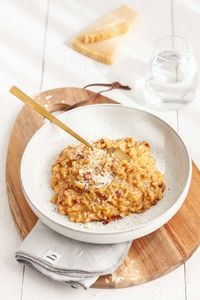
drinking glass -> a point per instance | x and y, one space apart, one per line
173 74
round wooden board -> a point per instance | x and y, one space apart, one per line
149 257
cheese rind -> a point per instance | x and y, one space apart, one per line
105 51
103 33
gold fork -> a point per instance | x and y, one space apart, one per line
41 110
37 107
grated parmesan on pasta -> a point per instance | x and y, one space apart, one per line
93 185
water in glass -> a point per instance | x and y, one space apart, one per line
173 81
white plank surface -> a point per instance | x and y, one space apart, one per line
34 54
189 119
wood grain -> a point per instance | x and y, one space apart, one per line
149 257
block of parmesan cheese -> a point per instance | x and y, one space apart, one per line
106 35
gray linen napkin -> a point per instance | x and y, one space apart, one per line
69 261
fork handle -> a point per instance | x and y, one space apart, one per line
38 108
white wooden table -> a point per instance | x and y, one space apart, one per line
34 56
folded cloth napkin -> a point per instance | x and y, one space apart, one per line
69 261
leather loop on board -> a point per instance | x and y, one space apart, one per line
112 86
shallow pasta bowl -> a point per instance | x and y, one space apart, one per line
111 121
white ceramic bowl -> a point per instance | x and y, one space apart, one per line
111 121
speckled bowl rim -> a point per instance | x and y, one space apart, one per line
157 219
